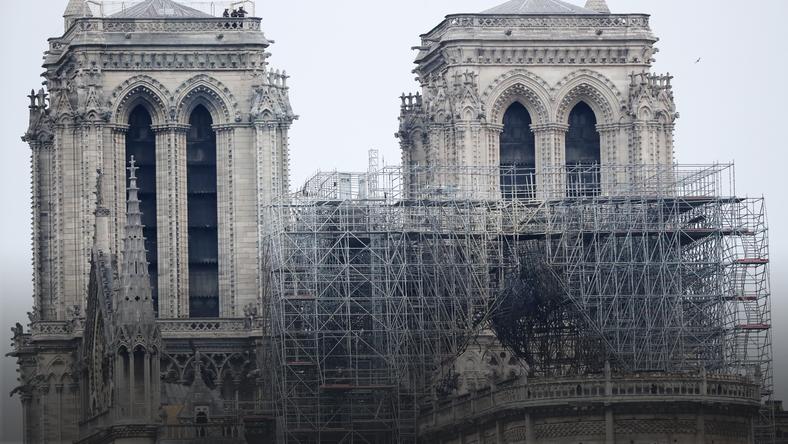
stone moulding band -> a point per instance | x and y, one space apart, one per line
548 21
726 390
164 25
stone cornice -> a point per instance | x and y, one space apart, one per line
229 126
171 127
118 127
239 34
180 25
610 127
582 39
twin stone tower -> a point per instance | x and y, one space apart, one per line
537 270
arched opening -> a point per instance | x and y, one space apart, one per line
202 210
518 154
583 155
141 143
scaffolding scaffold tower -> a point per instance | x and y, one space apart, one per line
380 279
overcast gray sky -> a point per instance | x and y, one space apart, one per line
349 62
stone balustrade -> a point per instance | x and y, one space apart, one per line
214 433
638 21
170 328
489 403
628 22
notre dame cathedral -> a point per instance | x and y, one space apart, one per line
538 269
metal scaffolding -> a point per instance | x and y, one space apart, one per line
380 279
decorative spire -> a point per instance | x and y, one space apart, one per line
135 304
599 6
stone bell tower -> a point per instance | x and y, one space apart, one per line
191 98
538 86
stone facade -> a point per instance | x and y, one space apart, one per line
472 67
97 73
117 351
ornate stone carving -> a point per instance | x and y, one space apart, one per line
651 98
570 429
465 96
271 101
218 96
135 87
592 86
518 84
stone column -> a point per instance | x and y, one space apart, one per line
530 433
44 201
700 427
611 174
284 163
26 432
66 219
59 419
225 204
156 384
667 143
493 139
610 426
267 146
148 392
172 220
115 179
44 422
131 377
266 143
119 386
550 141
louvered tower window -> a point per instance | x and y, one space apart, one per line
141 143
518 154
201 201
582 152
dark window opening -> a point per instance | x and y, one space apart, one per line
202 213
582 153
518 154
141 143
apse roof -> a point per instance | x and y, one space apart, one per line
160 9
538 7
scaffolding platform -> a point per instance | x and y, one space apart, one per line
381 279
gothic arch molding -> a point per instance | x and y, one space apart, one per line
209 92
518 85
140 90
592 88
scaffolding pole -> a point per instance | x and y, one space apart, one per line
380 279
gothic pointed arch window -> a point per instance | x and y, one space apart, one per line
518 154
141 144
202 215
583 154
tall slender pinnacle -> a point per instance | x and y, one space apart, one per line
136 304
